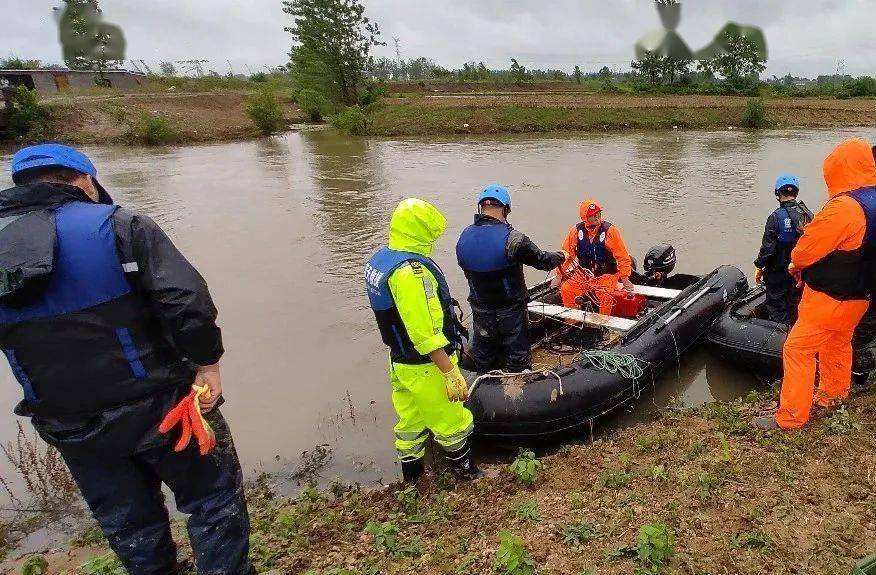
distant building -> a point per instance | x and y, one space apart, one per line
54 81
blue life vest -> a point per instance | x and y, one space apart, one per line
850 275
86 342
786 228
392 330
494 280
594 256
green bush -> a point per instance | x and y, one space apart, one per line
755 114
153 130
265 112
35 565
259 77
27 119
313 103
526 467
655 547
107 564
352 121
373 92
511 557
385 535
861 87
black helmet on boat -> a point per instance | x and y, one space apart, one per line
660 259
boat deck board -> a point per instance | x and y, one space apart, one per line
581 316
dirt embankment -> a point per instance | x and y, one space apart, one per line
693 492
189 117
518 112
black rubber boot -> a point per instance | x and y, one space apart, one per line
413 470
859 380
462 464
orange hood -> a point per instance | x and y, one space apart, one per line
587 208
851 166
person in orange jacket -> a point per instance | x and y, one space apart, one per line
831 257
597 246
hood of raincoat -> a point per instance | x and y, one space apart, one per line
588 208
415 226
851 166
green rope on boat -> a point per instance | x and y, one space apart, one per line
628 366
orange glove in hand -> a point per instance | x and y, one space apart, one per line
187 413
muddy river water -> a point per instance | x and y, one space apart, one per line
281 227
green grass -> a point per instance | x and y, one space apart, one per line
387 119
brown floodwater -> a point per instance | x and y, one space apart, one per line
281 227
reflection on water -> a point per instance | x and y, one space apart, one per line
351 199
281 227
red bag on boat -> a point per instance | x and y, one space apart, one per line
629 305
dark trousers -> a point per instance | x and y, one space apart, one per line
499 339
863 361
782 297
124 494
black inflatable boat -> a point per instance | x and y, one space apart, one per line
743 336
575 392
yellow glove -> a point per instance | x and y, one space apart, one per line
457 387
758 275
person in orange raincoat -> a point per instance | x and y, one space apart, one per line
597 246
832 257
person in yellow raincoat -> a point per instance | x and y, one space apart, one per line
415 315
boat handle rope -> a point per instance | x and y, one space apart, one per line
499 374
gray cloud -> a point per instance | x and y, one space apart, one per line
806 37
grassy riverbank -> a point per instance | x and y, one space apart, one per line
166 111
441 113
182 111
694 492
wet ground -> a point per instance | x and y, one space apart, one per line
281 227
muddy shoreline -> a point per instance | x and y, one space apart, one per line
733 500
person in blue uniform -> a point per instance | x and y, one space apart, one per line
492 254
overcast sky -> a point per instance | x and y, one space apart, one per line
806 37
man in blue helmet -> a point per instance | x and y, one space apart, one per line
492 255
107 327
783 228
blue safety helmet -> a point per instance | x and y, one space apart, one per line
786 180
497 193
55 156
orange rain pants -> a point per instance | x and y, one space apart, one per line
826 325
600 289
833 348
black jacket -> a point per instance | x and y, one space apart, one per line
774 257
521 251
168 319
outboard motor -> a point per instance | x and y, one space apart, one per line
659 260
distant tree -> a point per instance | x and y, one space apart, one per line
674 69
650 67
333 43
16 63
167 68
741 60
519 75
88 43
577 74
